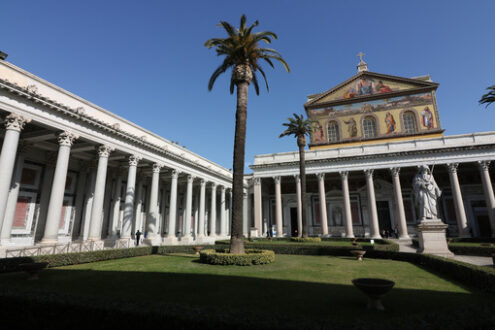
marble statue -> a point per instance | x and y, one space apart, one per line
426 194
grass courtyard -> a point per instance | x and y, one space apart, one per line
297 288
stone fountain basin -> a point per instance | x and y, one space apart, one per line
373 287
197 249
358 254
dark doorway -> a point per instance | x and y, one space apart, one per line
293 222
483 225
383 212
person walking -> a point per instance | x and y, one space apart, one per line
138 237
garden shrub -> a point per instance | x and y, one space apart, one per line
223 257
305 239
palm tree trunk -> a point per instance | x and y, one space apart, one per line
236 239
302 174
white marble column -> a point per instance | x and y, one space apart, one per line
97 209
373 215
153 211
488 191
129 198
213 210
460 212
323 204
186 231
278 207
222 212
50 236
46 187
202 196
115 220
399 204
13 196
299 205
172 213
245 226
349 230
258 209
88 201
14 124
79 202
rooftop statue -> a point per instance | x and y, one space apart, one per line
426 194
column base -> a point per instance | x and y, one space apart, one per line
170 241
154 240
404 238
187 240
124 243
48 241
432 238
376 237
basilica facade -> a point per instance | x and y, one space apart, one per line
76 177
371 134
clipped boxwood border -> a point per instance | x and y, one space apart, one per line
223 257
305 239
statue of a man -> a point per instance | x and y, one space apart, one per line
426 194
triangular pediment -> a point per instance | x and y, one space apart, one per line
366 85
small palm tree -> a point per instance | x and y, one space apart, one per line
489 97
242 54
300 127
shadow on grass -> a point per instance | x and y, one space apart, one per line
75 297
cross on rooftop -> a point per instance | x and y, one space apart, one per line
360 55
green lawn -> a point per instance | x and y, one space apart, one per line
297 287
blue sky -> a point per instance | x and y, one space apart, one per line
145 60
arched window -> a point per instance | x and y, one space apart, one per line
409 122
369 127
333 132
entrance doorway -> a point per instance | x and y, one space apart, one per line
383 211
293 222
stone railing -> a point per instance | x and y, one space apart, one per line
55 249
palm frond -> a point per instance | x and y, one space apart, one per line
489 97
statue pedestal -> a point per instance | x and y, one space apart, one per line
432 240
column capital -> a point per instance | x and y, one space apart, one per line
297 177
175 174
257 181
222 189
369 173
213 185
484 165
394 171
452 167
190 178
344 174
67 138
104 150
134 160
277 179
15 122
157 167
320 176
202 182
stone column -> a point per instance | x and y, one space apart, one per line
172 213
278 207
258 210
46 187
458 202
488 191
138 204
323 204
186 231
79 203
50 236
245 217
373 215
222 211
97 209
88 202
213 210
299 205
115 217
153 212
399 204
13 196
14 125
202 196
349 230
129 198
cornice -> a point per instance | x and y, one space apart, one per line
32 94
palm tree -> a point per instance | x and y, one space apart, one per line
300 127
489 97
242 54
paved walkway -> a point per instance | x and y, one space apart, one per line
407 246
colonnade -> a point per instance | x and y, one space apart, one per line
460 211
98 194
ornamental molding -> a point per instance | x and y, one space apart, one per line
67 138
32 94
484 165
104 150
15 122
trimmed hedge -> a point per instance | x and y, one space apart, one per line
223 257
455 245
305 239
